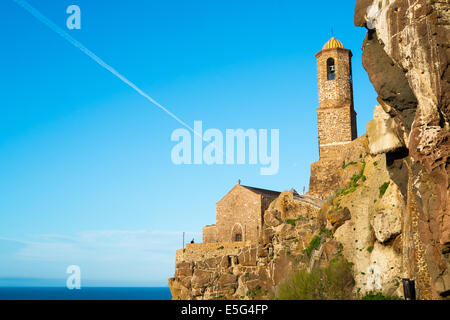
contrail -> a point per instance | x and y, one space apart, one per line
94 57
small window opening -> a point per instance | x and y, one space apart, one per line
331 70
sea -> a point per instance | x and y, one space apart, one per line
85 293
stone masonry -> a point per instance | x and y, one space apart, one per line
336 116
210 234
239 215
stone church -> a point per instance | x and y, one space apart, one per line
240 213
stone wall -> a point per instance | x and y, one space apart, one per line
199 251
338 92
240 210
327 174
324 178
335 127
336 116
210 234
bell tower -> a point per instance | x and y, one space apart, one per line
336 115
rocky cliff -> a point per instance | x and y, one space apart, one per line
406 54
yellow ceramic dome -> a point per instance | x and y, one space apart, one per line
333 43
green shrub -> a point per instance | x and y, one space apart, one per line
334 282
255 292
353 183
345 165
326 232
314 244
291 222
378 296
383 188
370 249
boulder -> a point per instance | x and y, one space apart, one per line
228 280
338 217
248 256
385 271
272 218
387 217
201 278
383 133
287 232
286 206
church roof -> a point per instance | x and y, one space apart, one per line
266 192
333 43
263 191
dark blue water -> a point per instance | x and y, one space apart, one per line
85 293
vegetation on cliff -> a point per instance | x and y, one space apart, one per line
333 282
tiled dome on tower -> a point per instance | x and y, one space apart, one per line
333 43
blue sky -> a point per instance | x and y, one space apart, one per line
85 161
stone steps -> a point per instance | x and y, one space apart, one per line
316 202
315 257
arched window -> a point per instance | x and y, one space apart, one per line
236 234
331 71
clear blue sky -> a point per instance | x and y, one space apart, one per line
85 162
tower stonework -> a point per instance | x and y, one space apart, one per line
336 115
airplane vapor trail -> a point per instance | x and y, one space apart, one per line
94 57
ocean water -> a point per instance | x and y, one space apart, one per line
85 293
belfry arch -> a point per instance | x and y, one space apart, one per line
331 69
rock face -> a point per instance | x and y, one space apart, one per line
383 132
406 54
367 218
387 215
